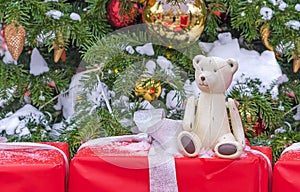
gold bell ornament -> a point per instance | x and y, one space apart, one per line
177 23
148 89
15 39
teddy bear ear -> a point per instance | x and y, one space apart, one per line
233 64
196 61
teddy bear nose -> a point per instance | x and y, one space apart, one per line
202 78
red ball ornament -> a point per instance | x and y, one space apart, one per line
115 17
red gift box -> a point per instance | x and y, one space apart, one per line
287 170
34 167
99 169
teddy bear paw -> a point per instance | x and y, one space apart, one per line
189 143
230 150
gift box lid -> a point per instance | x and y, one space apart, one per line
33 153
291 153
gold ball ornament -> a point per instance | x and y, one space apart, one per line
15 38
148 89
177 23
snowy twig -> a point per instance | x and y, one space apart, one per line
292 109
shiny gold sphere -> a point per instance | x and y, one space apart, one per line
177 23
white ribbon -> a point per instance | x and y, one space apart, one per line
38 146
147 121
106 140
293 147
270 171
162 170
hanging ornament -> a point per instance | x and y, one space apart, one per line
265 34
280 107
27 98
63 56
116 19
296 57
296 63
178 23
42 97
59 48
15 39
148 89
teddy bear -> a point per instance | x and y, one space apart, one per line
206 122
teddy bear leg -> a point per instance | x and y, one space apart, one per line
189 143
228 147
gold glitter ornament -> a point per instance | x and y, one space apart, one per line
177 23
148 89
15 39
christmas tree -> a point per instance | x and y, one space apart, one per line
57 55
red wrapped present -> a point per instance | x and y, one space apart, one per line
287 170
34 167
125 166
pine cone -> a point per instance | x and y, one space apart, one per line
15 39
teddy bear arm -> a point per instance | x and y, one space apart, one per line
236 122
189 114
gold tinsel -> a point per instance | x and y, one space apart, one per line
15 39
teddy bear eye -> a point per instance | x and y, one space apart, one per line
215 70
201 68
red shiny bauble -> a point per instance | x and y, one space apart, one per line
115 17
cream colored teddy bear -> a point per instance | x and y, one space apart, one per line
206 124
